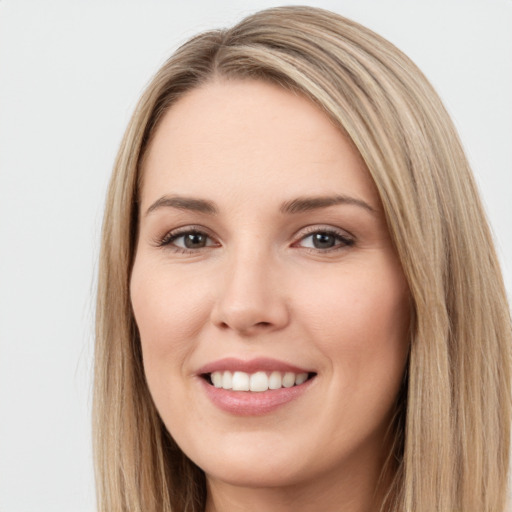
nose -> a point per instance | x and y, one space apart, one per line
251 297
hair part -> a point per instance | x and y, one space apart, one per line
452 426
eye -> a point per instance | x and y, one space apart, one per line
186 241
324 240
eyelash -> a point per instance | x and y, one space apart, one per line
172 236
342 240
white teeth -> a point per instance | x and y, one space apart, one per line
275 380
227 380
256 382
240 381
288 380
217 379
301 378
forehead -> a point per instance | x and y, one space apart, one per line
230 135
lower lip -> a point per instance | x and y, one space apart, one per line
252 403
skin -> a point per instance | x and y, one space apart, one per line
261 288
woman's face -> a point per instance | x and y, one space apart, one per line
264 259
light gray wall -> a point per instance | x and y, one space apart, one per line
70 74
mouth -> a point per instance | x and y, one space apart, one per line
254 387
258 382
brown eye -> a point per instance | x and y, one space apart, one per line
188 240
194 240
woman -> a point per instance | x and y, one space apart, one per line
299 306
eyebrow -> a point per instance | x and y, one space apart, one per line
184 203
305 204
294 206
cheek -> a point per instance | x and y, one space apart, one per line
169 312
360 321
357 302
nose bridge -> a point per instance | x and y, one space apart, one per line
250 297
248 279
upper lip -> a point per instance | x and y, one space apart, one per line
250 366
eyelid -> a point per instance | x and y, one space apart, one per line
326 228
347 238
166 240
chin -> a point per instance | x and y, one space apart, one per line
253 463
256 474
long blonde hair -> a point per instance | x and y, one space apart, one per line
452 425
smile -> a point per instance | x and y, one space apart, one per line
257 382
255 387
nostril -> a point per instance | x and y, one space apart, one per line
248 314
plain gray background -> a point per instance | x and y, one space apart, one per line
70 74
